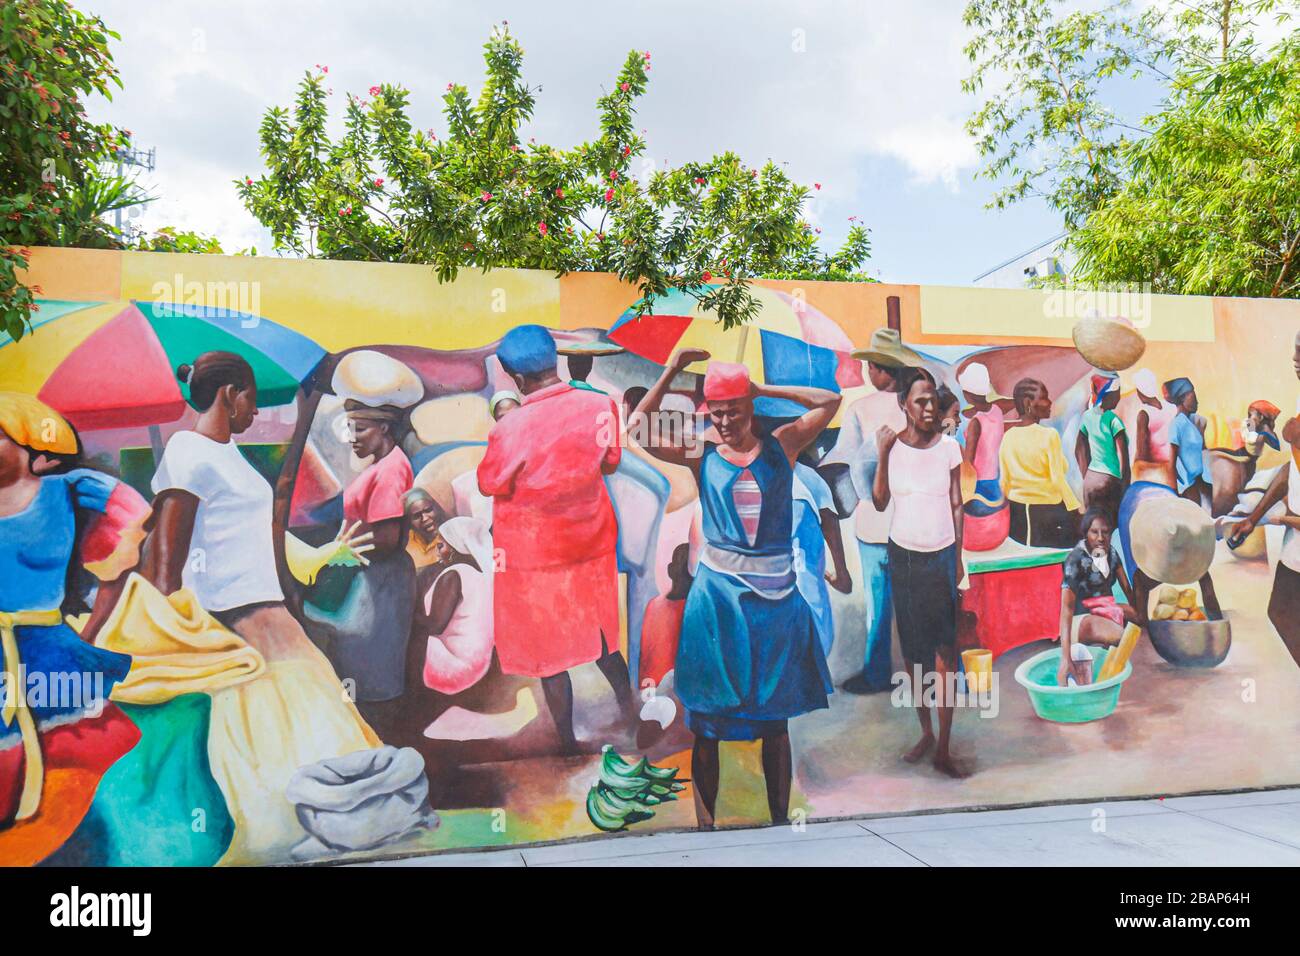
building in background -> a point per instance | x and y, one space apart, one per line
1046 258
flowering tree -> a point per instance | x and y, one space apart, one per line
480 196
51 57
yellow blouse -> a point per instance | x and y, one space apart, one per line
1034 468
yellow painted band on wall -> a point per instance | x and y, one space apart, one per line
1050 314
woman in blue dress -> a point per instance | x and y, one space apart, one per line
749 657
56 683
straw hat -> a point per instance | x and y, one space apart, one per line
1109 343
887 349
592 348
1172 539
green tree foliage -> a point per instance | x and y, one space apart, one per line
51 58
1210 204
1043 129
1203 197
481 197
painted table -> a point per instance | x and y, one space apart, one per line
1014 597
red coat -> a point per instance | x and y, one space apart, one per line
553 530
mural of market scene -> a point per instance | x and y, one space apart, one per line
385 566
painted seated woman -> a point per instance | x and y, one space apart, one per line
749 657
58 731
1089 612
211 531
456 611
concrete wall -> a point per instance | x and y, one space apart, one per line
226 739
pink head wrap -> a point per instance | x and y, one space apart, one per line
724 381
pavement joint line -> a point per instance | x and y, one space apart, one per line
1003 823
925 863
858 819
1229 826
720 846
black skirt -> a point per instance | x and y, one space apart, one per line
1284 608
1044 526
923 585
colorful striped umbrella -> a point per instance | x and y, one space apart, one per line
112 364
788 343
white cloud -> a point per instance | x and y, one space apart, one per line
826 87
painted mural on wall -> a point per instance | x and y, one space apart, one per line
307 561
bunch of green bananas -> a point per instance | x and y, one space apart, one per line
625 791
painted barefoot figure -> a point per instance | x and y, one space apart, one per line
920 473
749 657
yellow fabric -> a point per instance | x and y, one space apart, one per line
127 553
422 555
15 705
29 421
176 646
261 732
1034 468
296 713
1118 656
303 560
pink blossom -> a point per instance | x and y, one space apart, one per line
613 175
625 87
817 185
485 196
609 195
542 228
379 181
374 91
248 180
706 276
559 193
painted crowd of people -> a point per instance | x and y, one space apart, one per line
416 605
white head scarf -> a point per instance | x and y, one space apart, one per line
469 536
1144 380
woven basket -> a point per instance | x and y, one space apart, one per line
1110 344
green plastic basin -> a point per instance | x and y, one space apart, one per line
1070 705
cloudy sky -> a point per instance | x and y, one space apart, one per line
863 97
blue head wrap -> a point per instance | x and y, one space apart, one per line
1177 389
527 350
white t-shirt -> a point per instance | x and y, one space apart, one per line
920 480
232 560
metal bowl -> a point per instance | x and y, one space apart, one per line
1191 643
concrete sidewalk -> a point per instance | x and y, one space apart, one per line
1261 828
